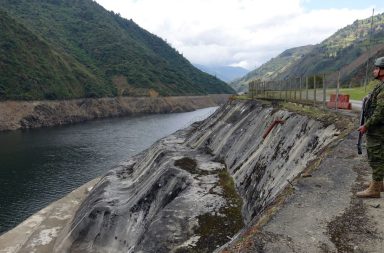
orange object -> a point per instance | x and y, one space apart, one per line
343 102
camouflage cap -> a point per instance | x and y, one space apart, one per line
379 62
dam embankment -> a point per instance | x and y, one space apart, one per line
33 114
194 190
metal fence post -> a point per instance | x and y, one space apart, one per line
264 91
254 89
286 90
250 91
314 90
270 89
300 84
324 92
257 88
337 92
290 89
306 88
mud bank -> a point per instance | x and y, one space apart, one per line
195 189
18 114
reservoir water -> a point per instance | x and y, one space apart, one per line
40 166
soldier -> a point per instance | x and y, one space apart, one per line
374 127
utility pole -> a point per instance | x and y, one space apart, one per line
369 52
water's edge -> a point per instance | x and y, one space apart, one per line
34 114
43 223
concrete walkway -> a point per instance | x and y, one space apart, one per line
38 233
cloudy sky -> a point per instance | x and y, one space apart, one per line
243 33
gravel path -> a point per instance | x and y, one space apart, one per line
322 214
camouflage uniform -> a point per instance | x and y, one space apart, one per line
375 131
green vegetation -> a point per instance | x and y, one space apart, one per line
348 46
241 97
357 93
56 49
32 69
215 229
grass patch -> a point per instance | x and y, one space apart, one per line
319 114
240 97
357 93
215 229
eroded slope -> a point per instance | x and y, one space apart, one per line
178 196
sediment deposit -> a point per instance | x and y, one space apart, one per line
178 196
33 114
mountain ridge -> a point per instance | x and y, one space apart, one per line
346 50
273 67
225 73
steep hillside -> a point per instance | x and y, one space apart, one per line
355 71
125 58
341 48
346 50
31 68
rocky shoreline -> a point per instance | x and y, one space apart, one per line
33 114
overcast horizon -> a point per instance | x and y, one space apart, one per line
242 33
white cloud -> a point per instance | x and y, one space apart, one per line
243 33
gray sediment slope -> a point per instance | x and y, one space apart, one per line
197 188
163 199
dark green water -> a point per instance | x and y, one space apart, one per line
42 165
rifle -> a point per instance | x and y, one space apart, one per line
362 122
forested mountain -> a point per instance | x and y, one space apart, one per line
31 68
225 73
346 50
59 49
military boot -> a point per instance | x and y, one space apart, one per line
367 184
373 190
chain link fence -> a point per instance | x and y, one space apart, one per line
314 89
